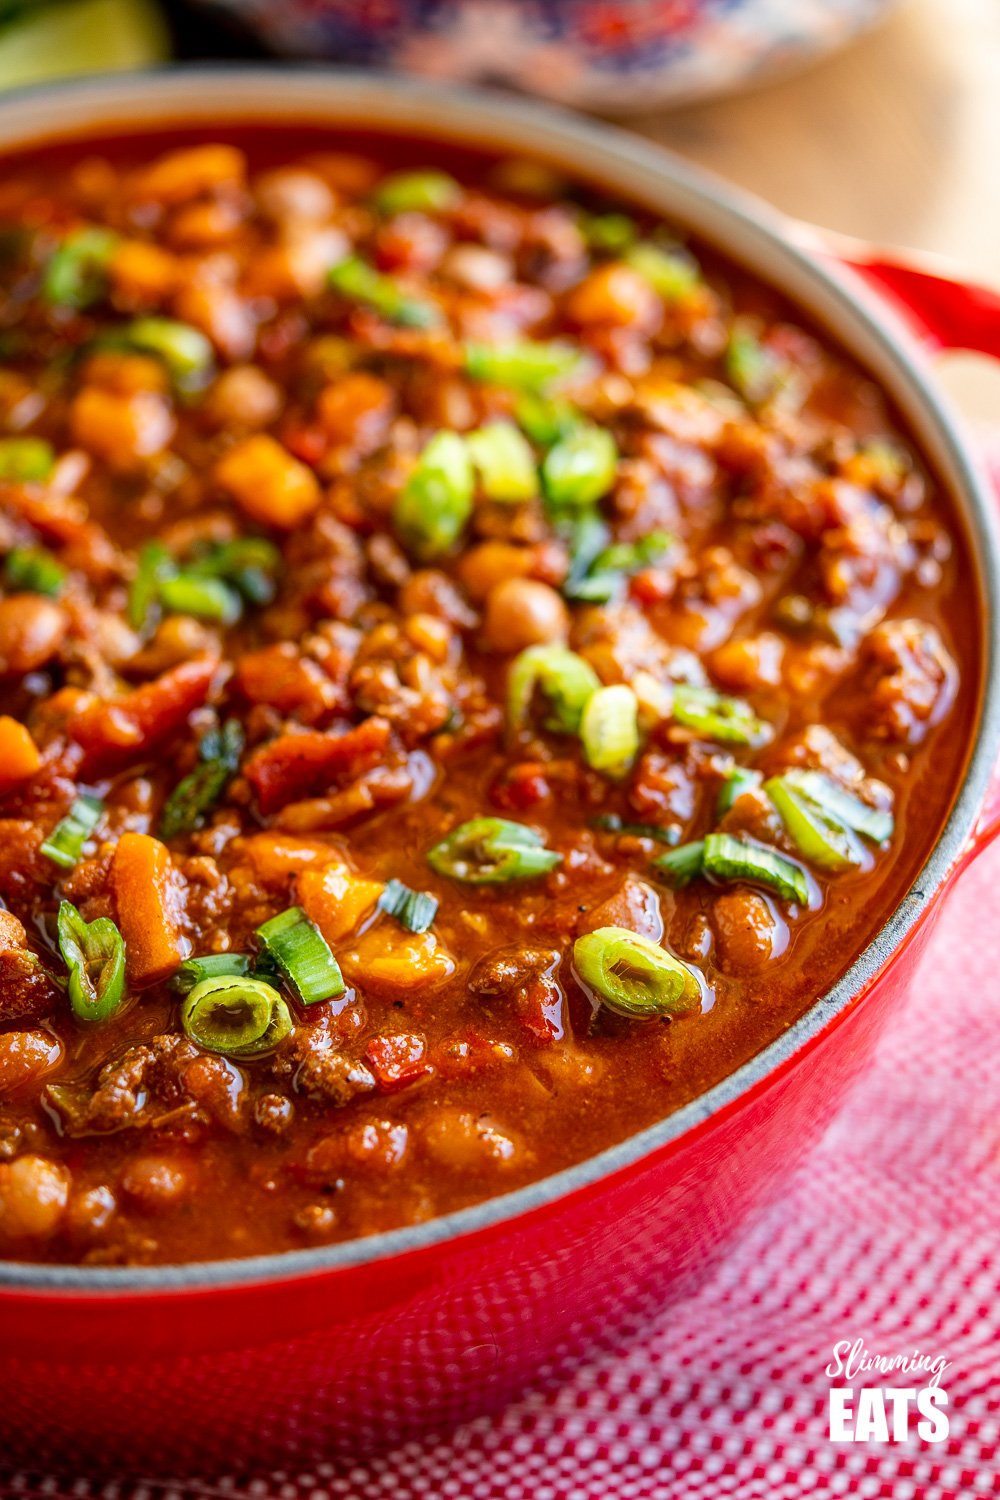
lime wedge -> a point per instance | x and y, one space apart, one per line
60 39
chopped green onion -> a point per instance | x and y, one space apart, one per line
184 350
566 681
505 462
489 851
205 598
26 460
737 781
357 281
94 954
431 510
35 570
580 469
609 233
155 563
414 910
673 274
730 858
303 955
890 460
609 730
717 716
635 977
612 823
526 365
76 275
819 838
609 569
586 536
683 864
545 419
751 368
416 192
218 761
210 966
874 823
64 844
249 563
236 1016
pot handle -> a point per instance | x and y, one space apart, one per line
942 310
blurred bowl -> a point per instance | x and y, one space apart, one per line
612 55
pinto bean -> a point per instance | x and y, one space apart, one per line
33 1195
521 612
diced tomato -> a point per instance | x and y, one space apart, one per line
523 786
112 730
302 765
397 1060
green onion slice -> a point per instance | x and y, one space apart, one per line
76 275
414 910
718 717
609 730
819 836
249 563
489 851
34 570
683 864
94 954
635 977
728 857
210 966
357 281
609 234
523 364
236 1016
155 563
673 274
219 755
505 462
425 192
303 955
433 507
737 781
752 369
545 419
611 566
26 460
205 598
580 469
565 680
64 844
612 823
185 351
873 823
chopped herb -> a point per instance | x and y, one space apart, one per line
491 851
414 910
236 1016
523 364
606 574
76 275
94 954
718 717
303 955
431 510
565 680
672 273
609 730
612 823
425 192
26 460
34 570
64 844
218 761
737 781
210 966
635 977
357 281
581 468
505 462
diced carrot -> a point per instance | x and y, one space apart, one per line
271 486
397 1060
336 899
110 729
149 904
181 175
144 273
356 409
276 857
120 429
19 757
384 961
299 765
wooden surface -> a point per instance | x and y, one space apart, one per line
896 139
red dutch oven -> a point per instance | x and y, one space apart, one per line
282 1359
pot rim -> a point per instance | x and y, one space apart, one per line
746 230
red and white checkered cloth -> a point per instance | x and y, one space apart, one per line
889 1233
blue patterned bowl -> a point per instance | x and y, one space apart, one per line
614 55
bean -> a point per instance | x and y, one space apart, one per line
31 632
155 1183
463 1141
26 1056
33 1196
521 612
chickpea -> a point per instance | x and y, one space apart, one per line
748 931
243 398
155 1183
521 612
31 632
33 1196
90 1212
290 193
